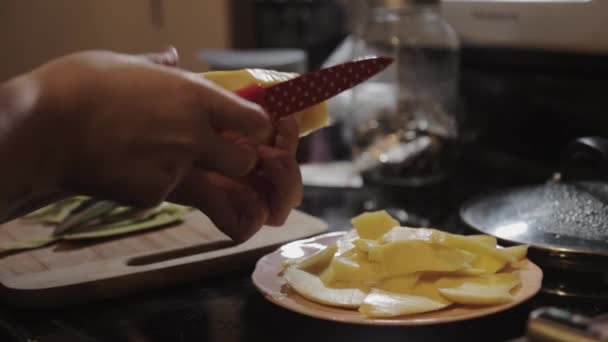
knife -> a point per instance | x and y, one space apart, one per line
93 210
304 91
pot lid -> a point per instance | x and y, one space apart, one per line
568 217
568 214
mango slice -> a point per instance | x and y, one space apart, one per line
309 120
446 239
392 271
487 240
400 284
477 294
311 287
380 303
406 257
372 225
519 252
314 263
507 280
353 270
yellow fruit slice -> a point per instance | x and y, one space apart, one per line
487 240
353 270
406 257
312 288
507 280
401 284
380 303
364 245
446 239
489 263
314 263
374 224
345 243
477 294
519 252
309 119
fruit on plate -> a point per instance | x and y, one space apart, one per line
309 119
372 225
311 287
380 303
386 270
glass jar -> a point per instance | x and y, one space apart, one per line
403 124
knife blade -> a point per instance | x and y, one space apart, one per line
95 209
304 91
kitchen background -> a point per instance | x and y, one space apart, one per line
541 71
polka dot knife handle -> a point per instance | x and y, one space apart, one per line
294 95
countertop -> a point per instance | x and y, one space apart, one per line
229 308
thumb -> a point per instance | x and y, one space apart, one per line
168 57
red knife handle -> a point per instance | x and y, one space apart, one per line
253 93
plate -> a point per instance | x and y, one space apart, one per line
269 281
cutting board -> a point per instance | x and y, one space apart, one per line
75 272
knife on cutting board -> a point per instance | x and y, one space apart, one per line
304 91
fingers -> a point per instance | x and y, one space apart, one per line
287 135
229 112
231 157
234 208
283 183
168 57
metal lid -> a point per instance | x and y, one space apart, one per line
566 217
559 217
401 3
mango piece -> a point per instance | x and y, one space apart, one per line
406 257
400 284
309 119
364 245
427 288
507 280
314 263
350 271
487 240
489 263
471 245
374 224
477 294
312 288
519 252
345 243
380 303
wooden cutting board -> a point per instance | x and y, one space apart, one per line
74 272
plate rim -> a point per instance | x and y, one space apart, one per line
399 321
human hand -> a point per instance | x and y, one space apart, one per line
120 127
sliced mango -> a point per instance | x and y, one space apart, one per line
374 224
309 119
451 240
477 294
489 263
311 287
380 303
507 280
519 252
406 257
487 240
350 271
364 245
400 284
314 263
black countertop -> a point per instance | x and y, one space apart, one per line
230 308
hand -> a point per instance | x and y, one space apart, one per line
241 206
121 127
